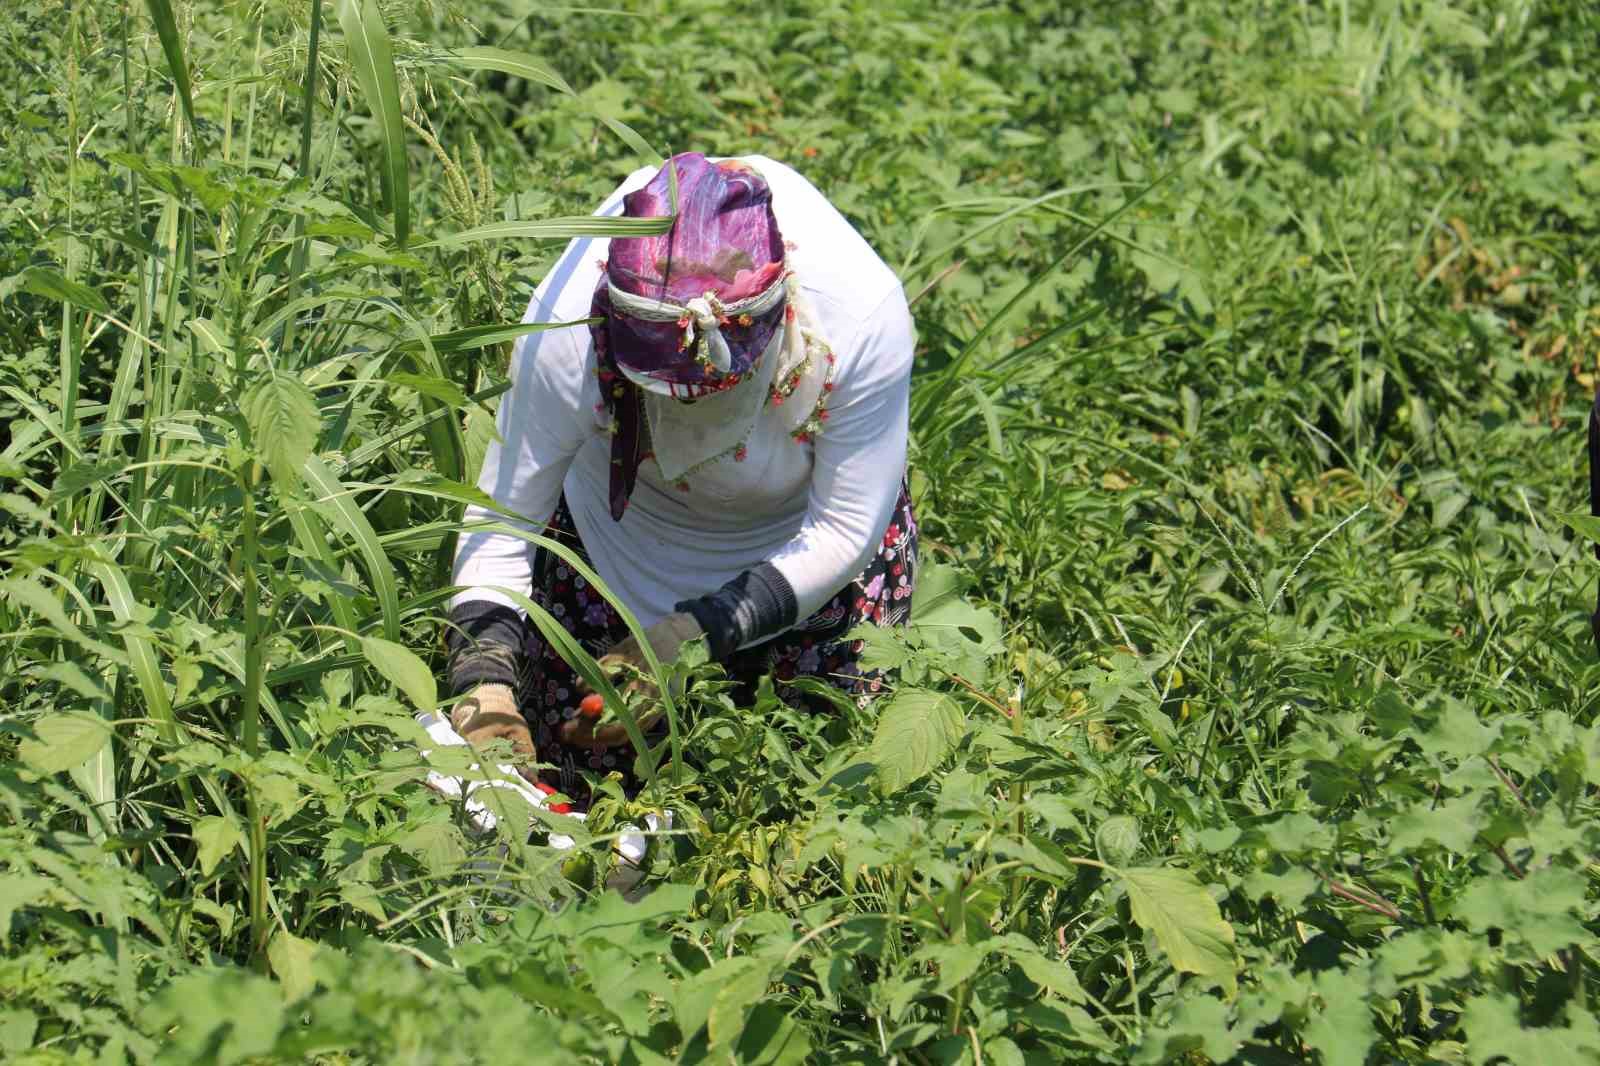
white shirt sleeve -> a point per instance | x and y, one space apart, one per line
860 459
542 422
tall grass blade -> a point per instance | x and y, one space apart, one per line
558 228
308 107
97 779
373 61
333 498
145 664
471 337
167 30
513 63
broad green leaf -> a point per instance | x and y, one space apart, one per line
1543 910
772 1037
19 890
1003 1051
441 389
17 1029
1452 825
955 962
79 476
1176 909
216 1014
1492 1025
52 286
1117 839
64 740
27 592
215 836
291 959
916 730
285 424
743 981
403 669
1341 1028
1587 526
884 647
1200 1024
1052 975
373 61
75 678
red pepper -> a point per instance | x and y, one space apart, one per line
555 808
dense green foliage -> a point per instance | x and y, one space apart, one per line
1249 713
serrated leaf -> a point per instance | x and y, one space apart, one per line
402 668
772 1038
1050 974
19 890
916 730
79 476
1342 1028
215 836
883 647
284 424
441 389
955 962
291 959
63 740
1541 910
1199 1024
1175 908
1117 839
75 678
743 983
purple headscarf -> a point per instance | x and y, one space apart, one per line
725 242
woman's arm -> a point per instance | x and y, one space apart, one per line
860 459
542 422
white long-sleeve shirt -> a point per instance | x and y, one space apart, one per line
816 511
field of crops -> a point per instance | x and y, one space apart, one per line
1248 712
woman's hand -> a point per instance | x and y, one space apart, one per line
490 713
637 685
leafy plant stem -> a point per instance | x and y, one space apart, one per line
1510 864
1133 984
250 723
1020 825
1423 893
308 104
1494 764
1373 902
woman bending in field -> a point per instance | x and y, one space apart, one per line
726 448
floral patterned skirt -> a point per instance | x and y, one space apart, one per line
814 647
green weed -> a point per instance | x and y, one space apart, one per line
1249 710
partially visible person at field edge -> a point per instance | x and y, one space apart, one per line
726 447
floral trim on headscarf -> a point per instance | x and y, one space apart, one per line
620 397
